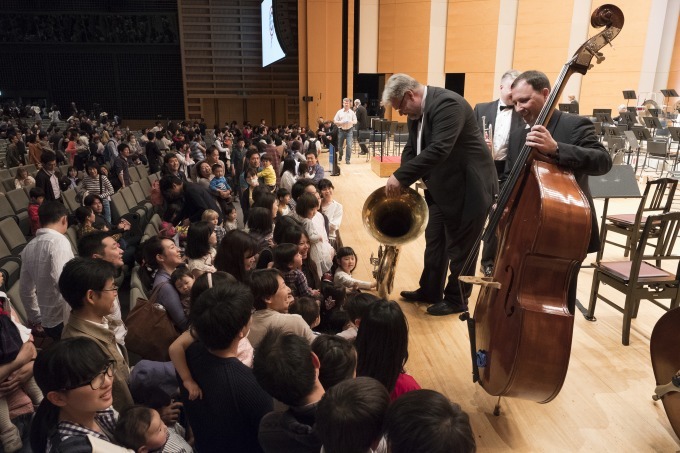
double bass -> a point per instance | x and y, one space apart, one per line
521 331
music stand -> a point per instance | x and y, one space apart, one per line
628 117
565 108
652 123
628 95
674 133
654 112
669 93
612 131
596 111
604 118
632 110
642 133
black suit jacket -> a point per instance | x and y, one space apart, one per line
362 117
455 162
490 110
579 151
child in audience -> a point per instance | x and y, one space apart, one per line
346 261
200 249
86 222
268 173
230 219
141 429
23 179
72 176
308 308
210 215
306 207
37 196
183 280
283 196
288 260
337 359
356 308
382 348
350 416
220 187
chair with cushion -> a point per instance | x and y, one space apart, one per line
72 236
657 199
70 201
118 208
10 265
143 172
134 174
12 235
19 201
638 279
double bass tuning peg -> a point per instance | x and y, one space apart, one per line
599 57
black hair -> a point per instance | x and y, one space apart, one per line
358 305
216 323
231 252
47 157
260 220
92 164
325 183
282 224
81 275
343 252
338 359
350 415
264 284
181 271
299 187
203 282
305 203
216 166
50 212
167 182
307 307
425 421
266 157
153 247
282 192
288 166
92 244
265 200
36 192
198 236
89 199
283 255
283 367
382 343
64 364
82 213
133 422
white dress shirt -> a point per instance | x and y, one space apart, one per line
345 120
42 262
501 133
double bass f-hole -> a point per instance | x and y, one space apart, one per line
508 303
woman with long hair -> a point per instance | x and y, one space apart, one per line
382 348
76 377
288 174
200 251
237 254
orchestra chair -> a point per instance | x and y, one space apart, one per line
657 199
638 279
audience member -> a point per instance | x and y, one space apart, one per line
382 348
350 416
357 306
88 287
229 413
37 196
48 176
345 263
337 357
192 198
425 421
236 255
308 308
95 184
332 210
288 370
141 429
200 248
42 260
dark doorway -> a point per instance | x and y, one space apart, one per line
456 82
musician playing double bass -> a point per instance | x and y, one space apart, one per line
568 139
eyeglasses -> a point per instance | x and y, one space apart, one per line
402 101
115 288
98 381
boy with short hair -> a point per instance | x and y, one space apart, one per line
210 215
308 308
268 173
283 195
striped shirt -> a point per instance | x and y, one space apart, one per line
93 185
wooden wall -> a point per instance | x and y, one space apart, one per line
674 73
222 63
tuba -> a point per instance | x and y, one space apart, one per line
392 221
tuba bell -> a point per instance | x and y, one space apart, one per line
392 221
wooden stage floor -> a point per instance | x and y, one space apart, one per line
605 404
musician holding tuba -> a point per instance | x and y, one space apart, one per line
446 150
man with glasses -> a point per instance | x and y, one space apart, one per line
446 150
87 286
345 119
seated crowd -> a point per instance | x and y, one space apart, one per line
276 346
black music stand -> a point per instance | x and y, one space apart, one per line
654 112
674 133
632 110
620 182
604 118
628 95
596 111
642 133
652 122
669 93
628 117
612 131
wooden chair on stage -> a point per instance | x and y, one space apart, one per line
657 199
637 278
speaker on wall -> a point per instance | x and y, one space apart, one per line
282 21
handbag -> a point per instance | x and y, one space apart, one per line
150 329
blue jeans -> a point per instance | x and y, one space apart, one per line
23 424
107 210
344 135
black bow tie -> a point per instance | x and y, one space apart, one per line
504 107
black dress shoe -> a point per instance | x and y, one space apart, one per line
487 270
444 308
412 296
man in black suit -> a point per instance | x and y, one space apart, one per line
446 150
501 118
568 139
362 122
